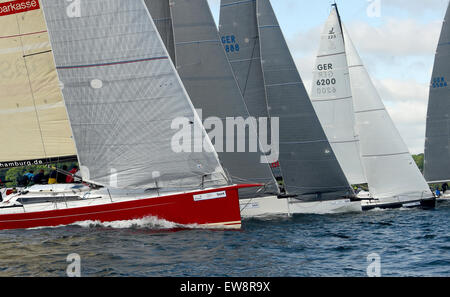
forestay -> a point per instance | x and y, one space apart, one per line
123 95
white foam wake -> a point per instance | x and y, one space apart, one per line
148 223
145 223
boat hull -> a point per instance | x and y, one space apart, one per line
443 199
420 203
273 206
215 208
325 207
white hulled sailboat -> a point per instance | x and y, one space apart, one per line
393 177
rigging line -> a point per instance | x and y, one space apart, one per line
34 54
31 89
256 40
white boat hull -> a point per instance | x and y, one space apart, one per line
325 207
273 206
397 202
444 198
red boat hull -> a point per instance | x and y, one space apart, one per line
180 208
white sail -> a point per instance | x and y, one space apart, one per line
125 100
332 99
389 166
33 120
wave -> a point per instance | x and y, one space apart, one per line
147 223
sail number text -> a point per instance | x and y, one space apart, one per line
230 44
326 79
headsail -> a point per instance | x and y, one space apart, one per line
125 100
33 119
332 99
437 143
390 168
306 157
207 76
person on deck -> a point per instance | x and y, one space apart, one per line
26 178
438 192
61 176
39 179
29 175
52 177
70 179
444 188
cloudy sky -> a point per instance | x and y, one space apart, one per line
396 39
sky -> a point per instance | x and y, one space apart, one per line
396 40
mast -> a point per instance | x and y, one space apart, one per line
338 16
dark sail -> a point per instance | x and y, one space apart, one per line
437 143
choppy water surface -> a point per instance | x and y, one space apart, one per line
409 242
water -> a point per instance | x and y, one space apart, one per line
409 242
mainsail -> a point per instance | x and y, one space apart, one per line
437 144
272 85
207 76
239 34
306 157
33 119
332 99
389 166
125 100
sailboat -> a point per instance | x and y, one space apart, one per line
437 149
309 176
354 115
100 86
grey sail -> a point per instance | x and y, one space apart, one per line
239 34
125 101
307 159
437 144
160 12
207 76
272 86
238 29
